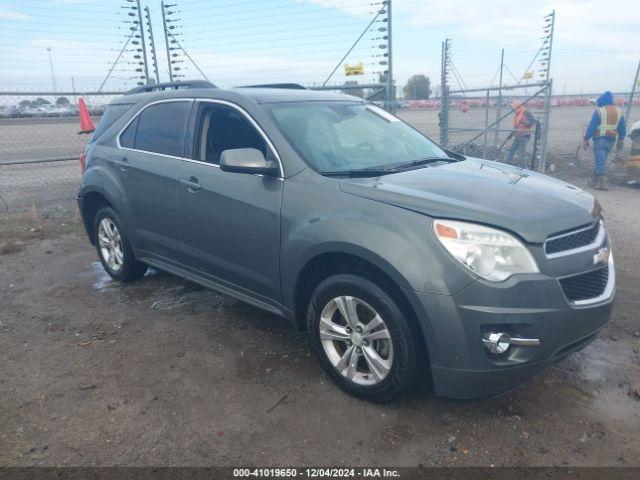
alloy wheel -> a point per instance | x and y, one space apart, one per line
356 340
110 244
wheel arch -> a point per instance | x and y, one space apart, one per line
329 263
92 202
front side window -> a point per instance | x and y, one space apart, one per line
160 128
221 127
334 137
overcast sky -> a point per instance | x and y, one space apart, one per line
597 45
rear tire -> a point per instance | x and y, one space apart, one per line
371 351
114 250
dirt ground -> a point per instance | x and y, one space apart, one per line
163 372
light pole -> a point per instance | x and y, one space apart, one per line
53 75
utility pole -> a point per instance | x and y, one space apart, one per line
152 44
633 92
73 89
390 87
144 48
499 101
551 22
53 75
166 39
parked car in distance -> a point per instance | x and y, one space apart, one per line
403 261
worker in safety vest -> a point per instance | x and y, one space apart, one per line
606 126
523 123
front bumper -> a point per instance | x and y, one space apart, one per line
526 306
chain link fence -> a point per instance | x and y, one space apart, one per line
478 122
470 127
40 146
40 149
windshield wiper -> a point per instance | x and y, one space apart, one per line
424 161
372 172
363 172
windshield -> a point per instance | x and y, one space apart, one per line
334 137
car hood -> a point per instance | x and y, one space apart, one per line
529 204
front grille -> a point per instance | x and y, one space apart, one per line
570 241
586 285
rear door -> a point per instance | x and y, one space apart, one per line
151 148
230 222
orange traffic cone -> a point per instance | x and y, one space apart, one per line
86 124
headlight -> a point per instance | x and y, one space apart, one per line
490 253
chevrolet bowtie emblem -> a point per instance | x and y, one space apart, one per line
602 256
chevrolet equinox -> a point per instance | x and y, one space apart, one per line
405 262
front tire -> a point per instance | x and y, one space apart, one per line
114 250
362 338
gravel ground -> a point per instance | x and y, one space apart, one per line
163 372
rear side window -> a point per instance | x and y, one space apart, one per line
110 115
128 137
161 128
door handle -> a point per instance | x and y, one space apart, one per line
123 163
191 183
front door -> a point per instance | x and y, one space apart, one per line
147 162
230 222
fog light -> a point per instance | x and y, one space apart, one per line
497 343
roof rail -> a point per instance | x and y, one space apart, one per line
171 86
287 86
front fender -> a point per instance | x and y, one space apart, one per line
400 242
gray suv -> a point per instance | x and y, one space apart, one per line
402 260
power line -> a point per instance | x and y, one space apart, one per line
75 5
117 60
323 27
188 56
270 25
352 47
258 10
319 3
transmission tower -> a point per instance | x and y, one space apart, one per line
171 26
152 44
545 72
137 39
444 92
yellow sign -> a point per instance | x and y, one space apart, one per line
352 70
527 75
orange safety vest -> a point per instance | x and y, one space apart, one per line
610 116
521 125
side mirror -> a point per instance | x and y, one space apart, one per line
247 160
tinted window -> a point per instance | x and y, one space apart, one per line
161 127
110 115
128 137
221 128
